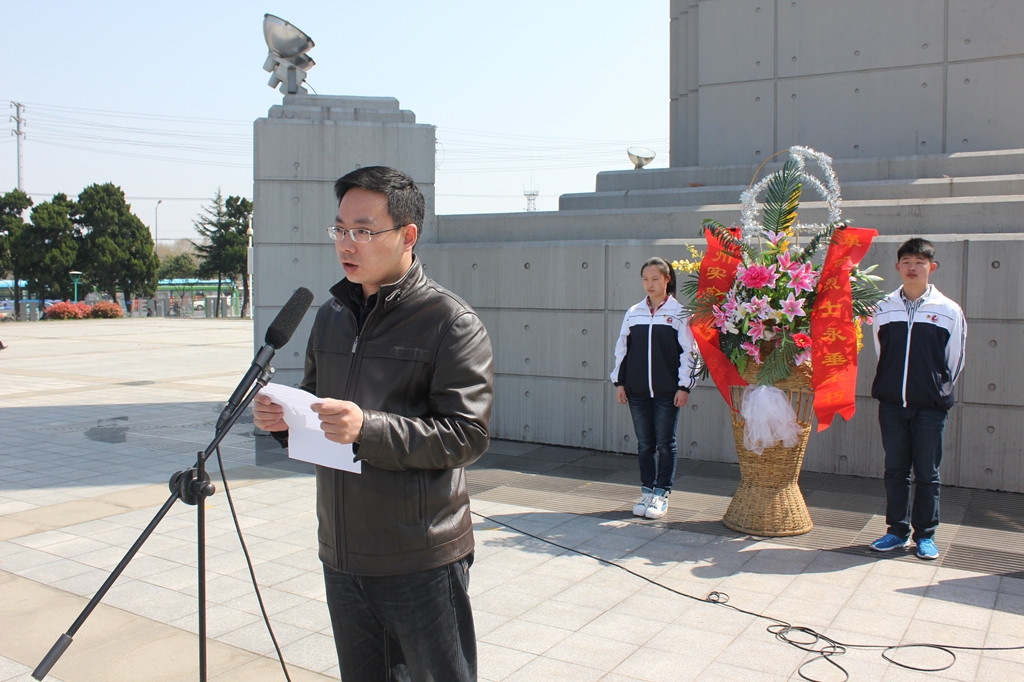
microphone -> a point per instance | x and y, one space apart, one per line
278 334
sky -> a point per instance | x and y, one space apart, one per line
160 98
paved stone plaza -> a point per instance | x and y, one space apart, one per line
96 415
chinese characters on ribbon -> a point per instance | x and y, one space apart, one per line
833 329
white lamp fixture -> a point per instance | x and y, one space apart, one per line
640 156
287 61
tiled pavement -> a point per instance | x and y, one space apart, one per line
96 415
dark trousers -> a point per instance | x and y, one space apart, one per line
404 628
654 420
912 439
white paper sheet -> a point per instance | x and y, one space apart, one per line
306 441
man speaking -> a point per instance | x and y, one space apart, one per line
405 373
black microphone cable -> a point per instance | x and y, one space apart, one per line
801 637
277 335
248 563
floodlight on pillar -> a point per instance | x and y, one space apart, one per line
287 61
640 156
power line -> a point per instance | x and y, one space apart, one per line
460 150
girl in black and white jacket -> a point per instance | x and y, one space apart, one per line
656 365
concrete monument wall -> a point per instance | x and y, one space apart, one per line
553 309
871 78
552 286
300 149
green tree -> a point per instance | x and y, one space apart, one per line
12 256
181 266
117 249
53 247
223 225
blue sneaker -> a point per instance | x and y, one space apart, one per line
926 549
889 542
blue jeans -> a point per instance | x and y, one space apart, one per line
654 420
912 439
406 628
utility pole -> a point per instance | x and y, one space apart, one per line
19 132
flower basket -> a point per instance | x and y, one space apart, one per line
765 309
768 501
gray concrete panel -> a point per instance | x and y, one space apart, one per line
705 427
979 30
993 362
977 45
541 409
984 103
895 112
549 343
995 279
721 24
683 46
286 150
279 271
726 109
830 37
624 277
553 227
294 212
991 452
853 447
518 275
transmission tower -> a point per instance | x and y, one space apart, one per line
531 198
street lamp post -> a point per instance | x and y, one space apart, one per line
248 266
75 276
156 224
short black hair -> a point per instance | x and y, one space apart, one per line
666 269
916 247
405 200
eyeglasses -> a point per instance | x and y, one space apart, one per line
358 235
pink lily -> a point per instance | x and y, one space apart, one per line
721 317
793 307
756 330
760 306
803 278
787 264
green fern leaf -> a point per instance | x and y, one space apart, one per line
779 363
782 198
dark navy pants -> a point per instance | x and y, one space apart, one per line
912 438
654 420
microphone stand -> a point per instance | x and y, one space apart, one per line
191 486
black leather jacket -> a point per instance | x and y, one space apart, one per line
422 371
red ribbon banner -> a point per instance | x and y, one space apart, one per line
833 331
717 272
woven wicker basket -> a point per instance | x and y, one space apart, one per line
768 501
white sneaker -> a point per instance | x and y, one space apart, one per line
640 508
657 508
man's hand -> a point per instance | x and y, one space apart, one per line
340 420
620 395
682 397
267 415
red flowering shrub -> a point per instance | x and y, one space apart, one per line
106 309
66 310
